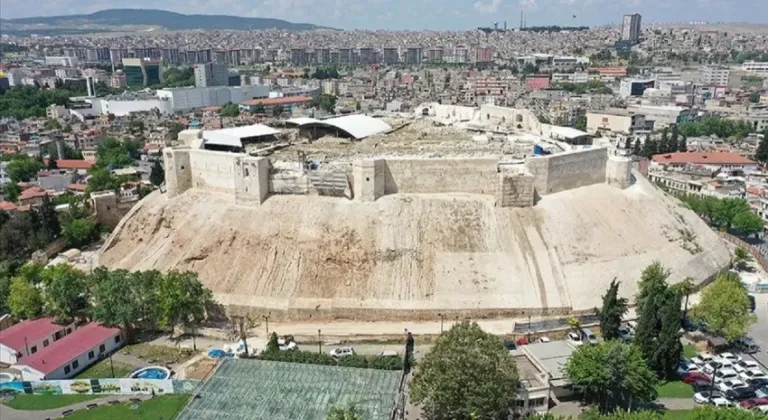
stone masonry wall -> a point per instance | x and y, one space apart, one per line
569 170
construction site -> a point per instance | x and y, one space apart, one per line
465 212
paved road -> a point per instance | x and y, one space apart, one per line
759 331
7 413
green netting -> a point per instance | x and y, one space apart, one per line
257 389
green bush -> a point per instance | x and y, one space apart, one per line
358 361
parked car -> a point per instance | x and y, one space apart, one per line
740 394
700 386
746 345
510 345
544 340
625 334
721 402
702 359
342 352
685 367
762 392
753 374
703 397
575 338
696 377
734 358
757 383
745 365
718 364
726 375
762 409
588 336
754 402
731 384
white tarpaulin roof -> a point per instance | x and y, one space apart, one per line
233 136
358 126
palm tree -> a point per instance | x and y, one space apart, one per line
741 257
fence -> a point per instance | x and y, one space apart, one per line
114 386
758 257
553 324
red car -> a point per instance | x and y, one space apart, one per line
696 376
754 402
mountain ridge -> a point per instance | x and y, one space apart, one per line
163 18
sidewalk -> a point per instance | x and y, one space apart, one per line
11 414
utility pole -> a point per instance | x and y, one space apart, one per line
319 343
442 317
111 366
266 319
712 383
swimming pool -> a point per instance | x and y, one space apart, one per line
6 377
151 372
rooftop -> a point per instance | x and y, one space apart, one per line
702 158
68 347
28 331
233 136
278 101
552 356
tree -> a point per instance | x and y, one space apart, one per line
614 308
24 299
761 154
724 211
101 179
23 168
741 259
664 143
628 144
136 126
324 102
157 175
343 413
64 292
80 232
115 153
272 344
668 347
674 140
637 148
725 308
51 124
230 110
748 223
49 220
683 145
11 192
182 299
174 130
611 373
581 123
650 299
116 302
754 98
467 374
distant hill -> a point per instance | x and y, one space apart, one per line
162 18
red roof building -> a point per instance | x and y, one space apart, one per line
71 354
7 206
717 158
28 337
74 164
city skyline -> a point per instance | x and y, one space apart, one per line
425 14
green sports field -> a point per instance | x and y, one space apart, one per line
257 389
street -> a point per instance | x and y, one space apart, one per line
759 331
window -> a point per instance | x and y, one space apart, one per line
117 339
45 343
69 330
536 402
67 370
102 348
90 355
33 350
75 364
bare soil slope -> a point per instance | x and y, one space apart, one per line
410 256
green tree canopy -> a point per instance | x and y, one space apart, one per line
81 232
725 307
182 299
467 374
343 413
11 192
24 299
157 175
230 110
64 291
748 223
614 308
115 153
23 168
611 373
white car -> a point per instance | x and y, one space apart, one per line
575 338
703 397
589 336
702 359
685 367
719 364
725 375
745 365
544 340
342 352
752 374
721 402
762 408
730 384
730 356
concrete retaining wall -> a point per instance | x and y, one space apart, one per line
515 190
213 170
568 170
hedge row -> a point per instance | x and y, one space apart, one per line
357 360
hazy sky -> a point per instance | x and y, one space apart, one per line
422 14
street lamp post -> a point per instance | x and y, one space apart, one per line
266 319
442 317
712 382
319 343
111 366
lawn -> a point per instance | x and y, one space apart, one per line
165 407
102 369
674 389
678 414
45 402
156 354
689 350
